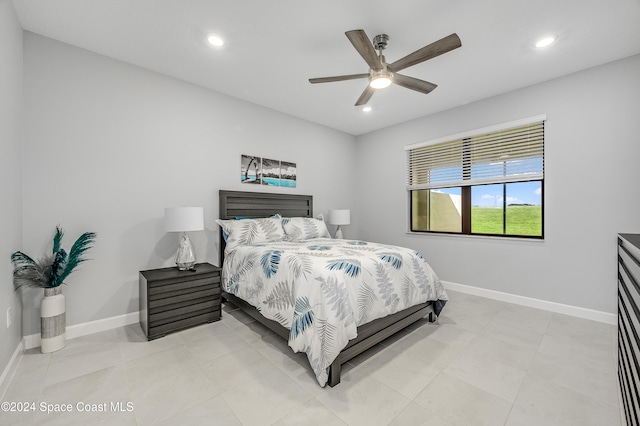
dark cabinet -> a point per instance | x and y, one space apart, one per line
172 300
629 324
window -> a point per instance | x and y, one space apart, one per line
486 182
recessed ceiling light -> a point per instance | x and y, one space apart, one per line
366 109
546 41
215 40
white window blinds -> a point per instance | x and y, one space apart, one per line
508 153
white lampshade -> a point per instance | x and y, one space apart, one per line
339 217
179 219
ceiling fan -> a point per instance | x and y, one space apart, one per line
380 73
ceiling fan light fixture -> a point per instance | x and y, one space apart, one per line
380 79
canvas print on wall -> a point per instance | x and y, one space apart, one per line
266 171
251 169
287 174
270 172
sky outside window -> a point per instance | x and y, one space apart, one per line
517 193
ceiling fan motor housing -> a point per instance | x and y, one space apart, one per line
380 41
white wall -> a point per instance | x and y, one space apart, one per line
592 148
108 145
10 175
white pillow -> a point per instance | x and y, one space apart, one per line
251 231
304 228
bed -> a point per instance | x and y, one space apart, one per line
270 275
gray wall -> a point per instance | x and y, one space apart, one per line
108 146
10 174
591 188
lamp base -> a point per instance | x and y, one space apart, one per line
185 259
339 235
186 266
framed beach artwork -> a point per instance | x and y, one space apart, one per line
287 174
251 169
266 171
270 172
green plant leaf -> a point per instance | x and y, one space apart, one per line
57 239
78 249
58 265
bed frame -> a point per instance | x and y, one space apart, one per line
260 204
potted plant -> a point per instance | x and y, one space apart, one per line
50 273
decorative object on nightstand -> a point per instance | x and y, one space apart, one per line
184 219
172 300
49 273
339 217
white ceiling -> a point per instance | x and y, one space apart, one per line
273 47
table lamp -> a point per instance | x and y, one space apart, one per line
339 217
184 219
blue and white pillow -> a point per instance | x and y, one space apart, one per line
304 228
251 231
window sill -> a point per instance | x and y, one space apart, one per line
489 237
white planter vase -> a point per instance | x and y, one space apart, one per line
53 321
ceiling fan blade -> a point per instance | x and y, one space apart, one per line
413 83
430 51
337 78
365 96
361 42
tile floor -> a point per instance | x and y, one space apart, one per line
484 363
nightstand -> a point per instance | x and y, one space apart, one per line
172 300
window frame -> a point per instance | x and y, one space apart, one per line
466 190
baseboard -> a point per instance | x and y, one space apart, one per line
11 367
560 308
77 330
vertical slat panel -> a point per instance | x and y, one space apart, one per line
628 362
629 325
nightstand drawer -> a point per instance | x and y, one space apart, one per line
207 291
163 329
153 310
179 312
157 289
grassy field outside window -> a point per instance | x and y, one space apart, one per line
521 220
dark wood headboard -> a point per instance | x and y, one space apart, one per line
261 204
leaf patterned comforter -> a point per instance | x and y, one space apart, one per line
322 289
